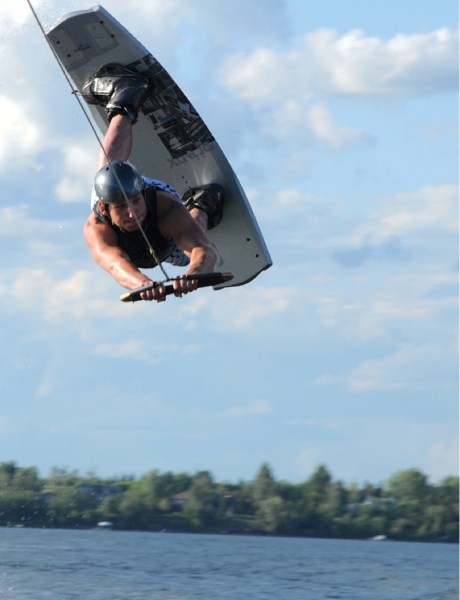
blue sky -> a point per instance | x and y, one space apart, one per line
341 122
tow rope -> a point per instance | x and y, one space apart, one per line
76 94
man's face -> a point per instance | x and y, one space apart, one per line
124 215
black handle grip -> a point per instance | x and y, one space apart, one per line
204 280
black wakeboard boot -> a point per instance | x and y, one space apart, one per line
119 89
209 198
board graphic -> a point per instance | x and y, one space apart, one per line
171 140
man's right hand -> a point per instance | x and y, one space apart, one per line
157 293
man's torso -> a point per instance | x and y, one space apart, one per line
134 243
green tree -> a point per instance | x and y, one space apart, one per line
160 487
61 476
317 487
412 493
335 500
408 507
26 479
21 507
109 509
150 485
134 510
7 472
272 514
410 484
315 493
71 507
202 505
264 484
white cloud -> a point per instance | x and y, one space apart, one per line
307 460
37 109
293 200
286 87
59 297
15 13
21 137
17 221
256 408
141 349
5 426
405 64
247 309
324 128
55 298
403 224
411 447
286 205
325 62
79 169
262 76
393 306
199 25
402 369
325 424
292 119
258 18
443 460
132 349
430 208
243 308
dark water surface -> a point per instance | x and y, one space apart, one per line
106 565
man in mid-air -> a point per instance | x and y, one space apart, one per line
127 222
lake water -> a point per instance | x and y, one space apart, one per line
49 564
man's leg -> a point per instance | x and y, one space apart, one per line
121 91
117 142
200 217
205 204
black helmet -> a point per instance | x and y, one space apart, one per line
111 175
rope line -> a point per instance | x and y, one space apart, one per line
76 94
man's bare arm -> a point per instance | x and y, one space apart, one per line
174 221
103 244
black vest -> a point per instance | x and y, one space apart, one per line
133 242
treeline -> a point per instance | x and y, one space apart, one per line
407 507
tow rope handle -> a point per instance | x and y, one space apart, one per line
204 280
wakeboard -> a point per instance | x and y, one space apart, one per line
171 140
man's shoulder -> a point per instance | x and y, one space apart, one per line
95 231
